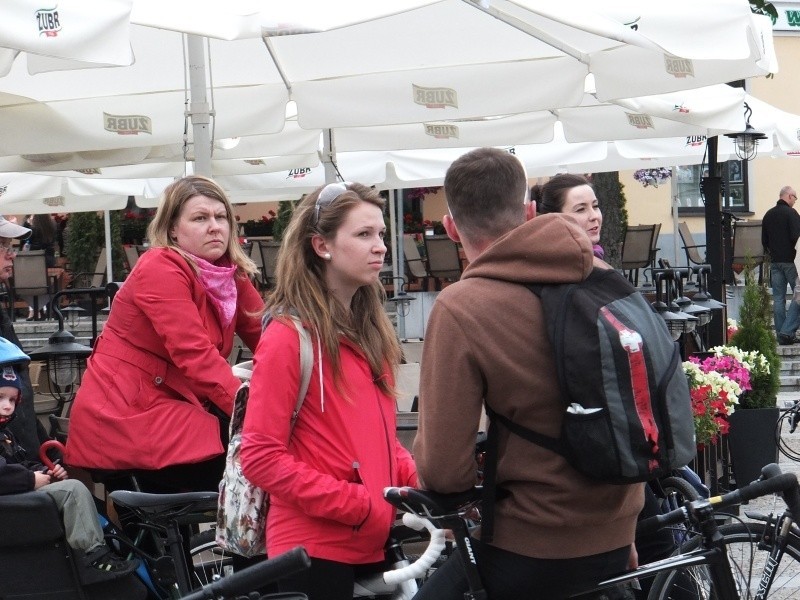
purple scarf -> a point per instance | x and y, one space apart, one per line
598 251
220 285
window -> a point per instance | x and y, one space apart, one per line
734 187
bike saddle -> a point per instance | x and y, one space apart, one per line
165 503
425 503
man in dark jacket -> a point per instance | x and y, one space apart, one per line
780 229
25 427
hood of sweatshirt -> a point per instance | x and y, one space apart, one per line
550 248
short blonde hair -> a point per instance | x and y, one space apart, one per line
177 194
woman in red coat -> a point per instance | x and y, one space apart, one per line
158 388
326 475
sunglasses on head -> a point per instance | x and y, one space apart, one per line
328 196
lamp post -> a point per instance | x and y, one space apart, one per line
64 360
746 143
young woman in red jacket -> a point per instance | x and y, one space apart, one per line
158 383
325 475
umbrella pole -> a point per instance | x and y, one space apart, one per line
198 107
328 154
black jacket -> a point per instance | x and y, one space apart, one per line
25 425
779 232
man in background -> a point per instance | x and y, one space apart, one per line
780 230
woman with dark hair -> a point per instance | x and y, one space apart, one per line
574 195
158 389
325 476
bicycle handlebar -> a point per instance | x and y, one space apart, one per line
254 577
774 482
419 567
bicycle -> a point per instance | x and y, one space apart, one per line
701 569
153 530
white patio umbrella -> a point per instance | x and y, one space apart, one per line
93 31
446 60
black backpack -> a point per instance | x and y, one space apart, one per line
627 410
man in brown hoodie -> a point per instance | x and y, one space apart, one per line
555 531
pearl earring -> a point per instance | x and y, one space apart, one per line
327 256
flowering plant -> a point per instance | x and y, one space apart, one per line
652 176
715 384
733 327
262 226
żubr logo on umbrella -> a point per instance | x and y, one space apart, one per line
435 97
692 141
298 173
441 131
54 201
640 121
127 124
48 21
678 67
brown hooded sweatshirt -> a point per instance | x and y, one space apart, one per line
486 338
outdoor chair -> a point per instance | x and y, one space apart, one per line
95 280
131 255
31 278
266 260
416 267
637 250
654 245
747 248
690 247
444 261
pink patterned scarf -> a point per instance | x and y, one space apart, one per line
220 285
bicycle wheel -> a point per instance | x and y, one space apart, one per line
748 559
677 491
209 561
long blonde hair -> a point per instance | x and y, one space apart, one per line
178 193
301 288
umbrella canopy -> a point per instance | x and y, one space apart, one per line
94 31
446 60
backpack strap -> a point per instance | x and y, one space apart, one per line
245 370
490 493
306 364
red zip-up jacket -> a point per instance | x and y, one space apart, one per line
325 481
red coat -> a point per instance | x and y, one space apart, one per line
327 486
157 368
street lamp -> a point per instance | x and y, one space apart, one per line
64 360
746 142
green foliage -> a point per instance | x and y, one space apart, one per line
285 210
763 7
610 192
755 333
117 254
84 238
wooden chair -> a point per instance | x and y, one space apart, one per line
31 278
637 250
444 261
747 247
690 247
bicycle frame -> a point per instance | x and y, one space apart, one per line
449 512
